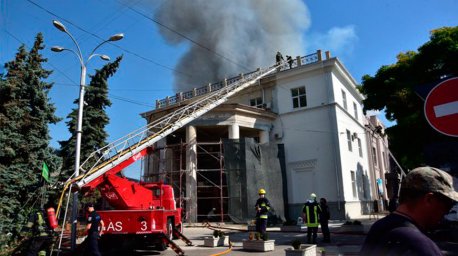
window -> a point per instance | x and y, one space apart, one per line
364 179
344 99
374 156
349 140
355 108
299 97
360 148
353 183
257 102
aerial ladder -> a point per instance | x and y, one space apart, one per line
101 167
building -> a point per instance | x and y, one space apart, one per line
298 131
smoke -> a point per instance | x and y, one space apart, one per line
245 33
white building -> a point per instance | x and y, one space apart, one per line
312 112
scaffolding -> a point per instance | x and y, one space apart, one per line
212 202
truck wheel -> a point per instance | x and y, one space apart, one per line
169 229
161 246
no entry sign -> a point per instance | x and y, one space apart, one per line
441 107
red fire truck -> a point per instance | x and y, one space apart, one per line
144 213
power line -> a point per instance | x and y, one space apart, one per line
131 101
77 85
102 39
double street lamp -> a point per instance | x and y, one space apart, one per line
79 124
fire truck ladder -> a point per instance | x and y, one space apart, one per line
130 145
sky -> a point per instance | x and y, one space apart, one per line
161 38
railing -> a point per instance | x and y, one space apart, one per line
183 96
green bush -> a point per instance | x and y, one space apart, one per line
296 244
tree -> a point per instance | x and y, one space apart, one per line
95 119
396 87
25 113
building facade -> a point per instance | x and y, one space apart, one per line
307 120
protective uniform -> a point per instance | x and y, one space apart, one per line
262 209
93 236
41 234
311 213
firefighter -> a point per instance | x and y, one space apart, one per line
290 61
262 209
42 225
94 229
311 213
278 58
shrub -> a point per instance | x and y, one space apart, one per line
296 244
265 237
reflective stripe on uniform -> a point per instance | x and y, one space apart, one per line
315 215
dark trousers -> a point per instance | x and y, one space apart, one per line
93 244
261 226
312 231
39 243
325 231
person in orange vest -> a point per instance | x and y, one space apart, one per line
310 213
262 209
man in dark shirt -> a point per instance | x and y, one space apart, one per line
94 230
324 220
427 193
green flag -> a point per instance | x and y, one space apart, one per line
45 172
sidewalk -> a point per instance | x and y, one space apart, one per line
344 241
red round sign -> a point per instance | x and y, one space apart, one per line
441 107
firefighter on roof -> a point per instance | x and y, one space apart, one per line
262 209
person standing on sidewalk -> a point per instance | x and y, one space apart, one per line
324 220
94 230
311 213
262 209
426 194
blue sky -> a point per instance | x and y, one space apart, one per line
363 34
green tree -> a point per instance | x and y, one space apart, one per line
95 119
25 113
396 87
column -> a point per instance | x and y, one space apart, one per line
234 131
191 173
263 137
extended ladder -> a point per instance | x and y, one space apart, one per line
108 157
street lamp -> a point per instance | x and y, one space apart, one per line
79 125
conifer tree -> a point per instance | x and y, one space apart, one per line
95 119
25 113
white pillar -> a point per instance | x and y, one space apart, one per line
234 131
191 173
263 137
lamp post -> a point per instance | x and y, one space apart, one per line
79 123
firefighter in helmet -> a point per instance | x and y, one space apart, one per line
41 223
311 213
262 209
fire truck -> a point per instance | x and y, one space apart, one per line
144 212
